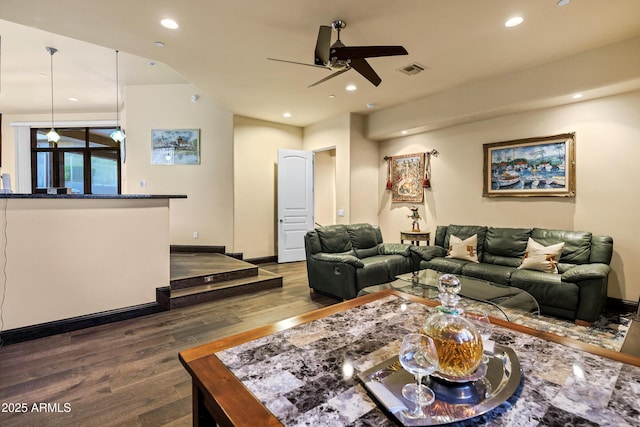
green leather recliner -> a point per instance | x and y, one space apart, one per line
343 259
579 290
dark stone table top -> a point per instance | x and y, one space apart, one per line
307 374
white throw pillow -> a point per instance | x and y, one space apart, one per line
463 249
542 258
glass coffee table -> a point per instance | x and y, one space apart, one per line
496 299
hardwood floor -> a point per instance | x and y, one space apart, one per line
128 373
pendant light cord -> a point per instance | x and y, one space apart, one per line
117 93
51 52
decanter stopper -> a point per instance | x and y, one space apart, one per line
449 287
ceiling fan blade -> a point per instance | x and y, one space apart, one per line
362 66
322 45
299 63
353 52
330 77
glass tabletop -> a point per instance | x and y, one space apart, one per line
495 298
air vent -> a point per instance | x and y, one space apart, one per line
412 69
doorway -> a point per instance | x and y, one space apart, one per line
325 187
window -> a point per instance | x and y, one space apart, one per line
86 160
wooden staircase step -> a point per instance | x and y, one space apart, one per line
213 291
196 269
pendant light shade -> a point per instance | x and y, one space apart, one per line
52 135
118 134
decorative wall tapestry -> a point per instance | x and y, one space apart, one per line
407 172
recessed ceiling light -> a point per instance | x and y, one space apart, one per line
404 132
72 99
371 105
332 96
159 44
577 96
169 23
512 22
562 2
286 114
351 87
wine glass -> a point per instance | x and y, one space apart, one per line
480 320
418 356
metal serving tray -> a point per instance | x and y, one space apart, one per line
454 401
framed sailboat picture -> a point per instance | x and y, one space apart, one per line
543 166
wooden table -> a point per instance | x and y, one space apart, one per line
224 371
415 237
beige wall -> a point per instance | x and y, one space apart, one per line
255 159
334 132
208 209
67 258
607 149
363 173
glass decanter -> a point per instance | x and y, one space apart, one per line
458 343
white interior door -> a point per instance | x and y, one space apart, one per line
295 202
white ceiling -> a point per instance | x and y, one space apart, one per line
222 48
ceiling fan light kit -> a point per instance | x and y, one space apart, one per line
340 58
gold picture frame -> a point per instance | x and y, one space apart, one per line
531 167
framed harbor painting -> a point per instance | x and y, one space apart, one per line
543 166
407 172
175 146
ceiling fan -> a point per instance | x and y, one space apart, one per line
340 58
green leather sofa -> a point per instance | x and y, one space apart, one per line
577 292
343 259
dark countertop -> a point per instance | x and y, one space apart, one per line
91 196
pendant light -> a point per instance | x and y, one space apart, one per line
52 135
118 134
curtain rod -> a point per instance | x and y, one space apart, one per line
433 153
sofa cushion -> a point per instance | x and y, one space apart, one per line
601 249
334 238
362 236
312 242
444 265
490 272
541 258
395 249
464 232
577 244
466 249
547 289
365 253
441 234
375 271
505 246
397 265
